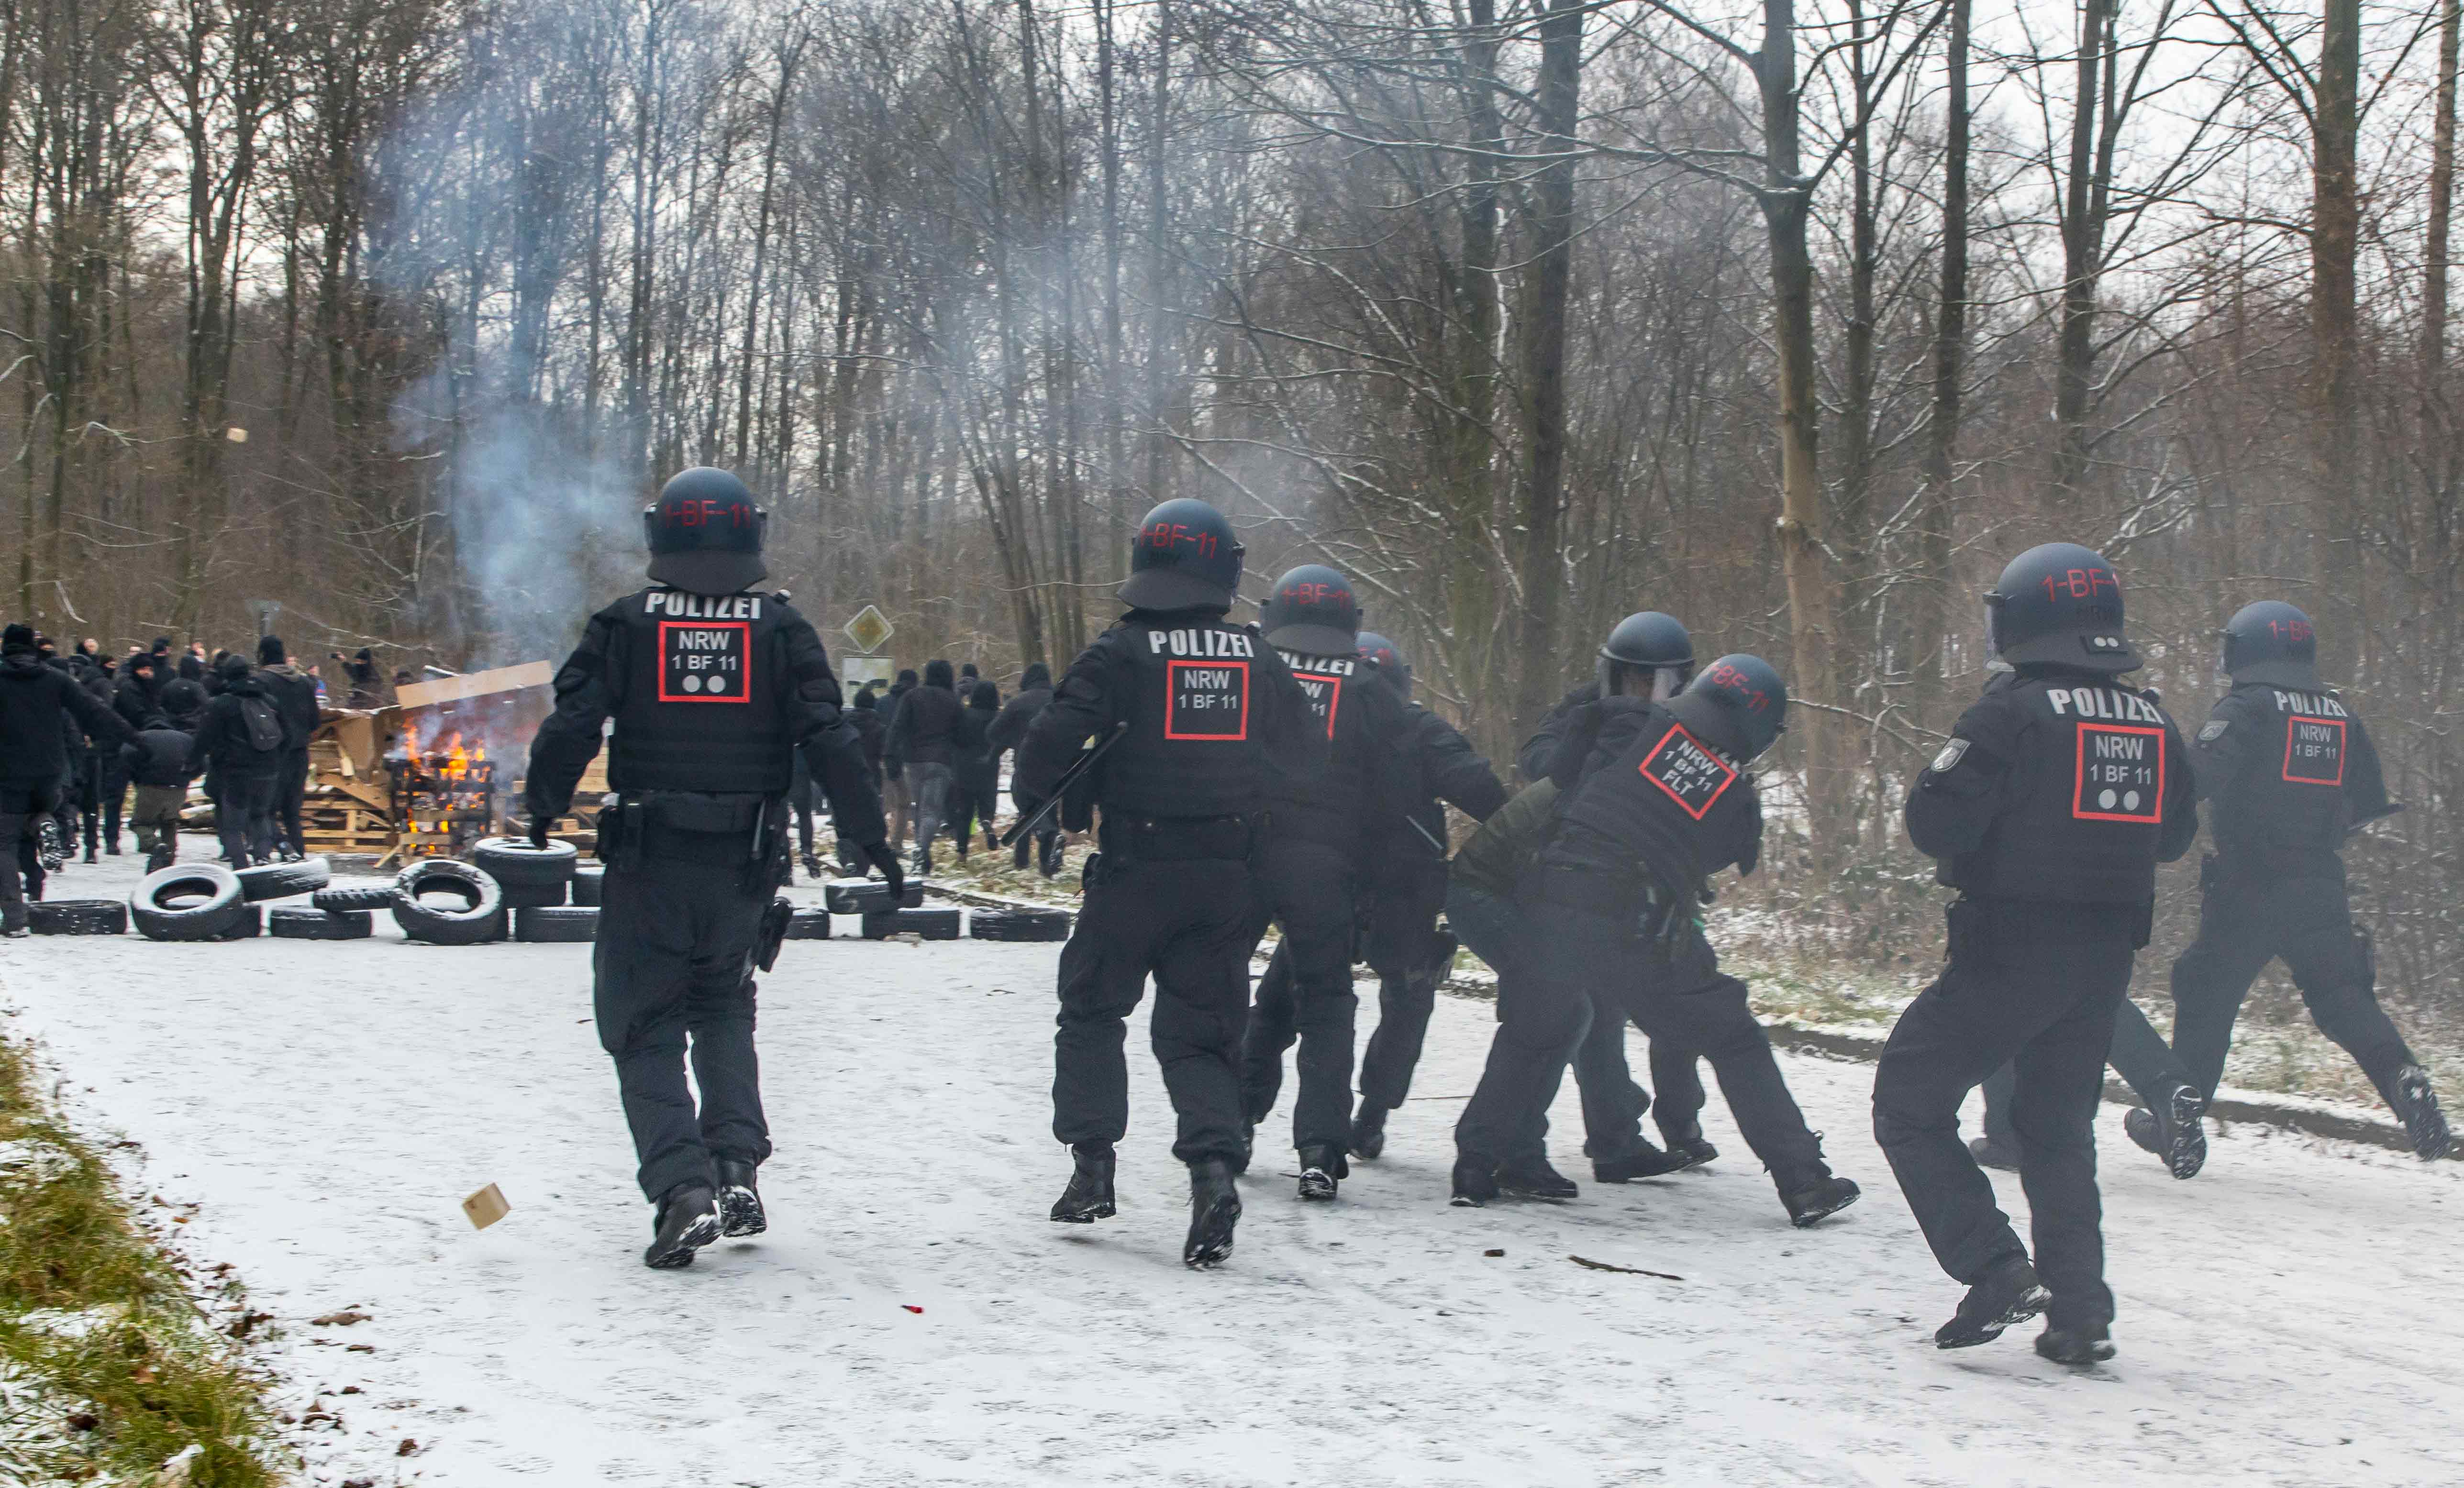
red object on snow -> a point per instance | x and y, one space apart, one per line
912 1307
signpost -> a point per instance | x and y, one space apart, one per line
870 630
266 611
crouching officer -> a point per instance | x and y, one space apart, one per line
1187 709
711 688
2288 773
2059 791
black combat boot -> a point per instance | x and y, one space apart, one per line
2417 1105
2178 1133
1368 1133
1532 1178
1990 1153
1090 1194
688 1221
739 1201
2006 1295
1475 1184
1050 856
2088 1344
1320 1168
1813 1193
1646 1161
1690 1145
1018 851
1214 1209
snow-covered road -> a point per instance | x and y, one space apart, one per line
2290 1317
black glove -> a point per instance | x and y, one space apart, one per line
539 830
883 856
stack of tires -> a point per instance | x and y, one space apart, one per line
535 882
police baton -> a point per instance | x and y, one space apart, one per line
1085 762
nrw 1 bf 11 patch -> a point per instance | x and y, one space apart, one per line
2121 774
1692 776
2314 751
705 662
1325 696
1206 700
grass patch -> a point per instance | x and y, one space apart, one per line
108 1368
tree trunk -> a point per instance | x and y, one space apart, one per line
2442 202
1932 621
1544 353
2335 236
2082 251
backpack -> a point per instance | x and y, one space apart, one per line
264 725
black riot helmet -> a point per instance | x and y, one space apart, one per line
2059 603
1375 647
1737 705
1184 556
1648 642
705 533
2272 642
1312 612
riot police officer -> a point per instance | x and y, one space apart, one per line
1189 711
1653 800
2058 792
1320 823
711 685
1403 887
2288 773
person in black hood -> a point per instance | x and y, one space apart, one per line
157 761
863 716
901 799
977 785
138 695
1009 731
367 683
924 744
34 701
243 739
293 693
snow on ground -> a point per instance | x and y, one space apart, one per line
2288 1318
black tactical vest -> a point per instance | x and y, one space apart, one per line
698 693
2289 796
1328 805
1654 804
2084 804
1192 748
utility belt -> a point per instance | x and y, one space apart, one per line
1125 840
742 831
1616 896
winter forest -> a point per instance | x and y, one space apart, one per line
1795 321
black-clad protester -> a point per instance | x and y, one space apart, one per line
1404 889
37 702
924 746
138 695
901 799
293 691
976 782
2288 773
2060 791
1310 868
1193 714
1009 731
158 762
98 784
709 687
243 740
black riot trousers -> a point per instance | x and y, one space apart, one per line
1306 888
2035 986
1185 922
1401 946
672 968
2248 918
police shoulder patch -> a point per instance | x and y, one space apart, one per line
2215 730
1950 757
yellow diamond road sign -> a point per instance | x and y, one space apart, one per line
870 630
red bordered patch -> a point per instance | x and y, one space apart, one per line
705 660
2314 751
2120 775
1206 700
1693 776
1325 695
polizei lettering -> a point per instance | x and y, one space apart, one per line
2310 703
2103 703
676 604
1200 643
1321 665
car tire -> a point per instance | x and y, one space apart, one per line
290 923
481 917
587 882
359 893
928 924
867 896
77 917
808 925
555 924
518 866
250 925
532 896
283 880
1018 923
217 906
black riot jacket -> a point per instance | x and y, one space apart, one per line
1644 805
1438 768
709 693
2286 773
1360 792
2057 785
1208 705
1532 760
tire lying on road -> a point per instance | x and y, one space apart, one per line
282 880
479 915
250 925
188 900
536 924
585 884
289 922
928 924
867 896
359 893
515 863
77 917
808 925
1019 925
